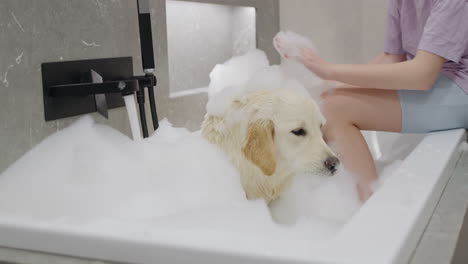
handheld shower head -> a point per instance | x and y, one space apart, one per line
146 40
147 57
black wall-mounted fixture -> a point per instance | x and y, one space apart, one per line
147 58
73 88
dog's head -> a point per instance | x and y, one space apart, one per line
284 133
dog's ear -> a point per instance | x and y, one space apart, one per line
259 147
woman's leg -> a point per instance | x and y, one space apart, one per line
349 110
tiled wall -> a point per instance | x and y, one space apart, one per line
374 19
344 31
36 31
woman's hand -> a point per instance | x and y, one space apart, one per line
315 64
306 56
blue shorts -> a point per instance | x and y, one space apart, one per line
443 107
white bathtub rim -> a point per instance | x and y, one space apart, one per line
106 247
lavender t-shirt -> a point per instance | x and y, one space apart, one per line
436 26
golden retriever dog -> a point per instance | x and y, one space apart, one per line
270 136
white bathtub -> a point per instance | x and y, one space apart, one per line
398 214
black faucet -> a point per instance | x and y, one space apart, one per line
92 84
125 87
78 87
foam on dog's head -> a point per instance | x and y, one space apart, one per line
235 72
247 73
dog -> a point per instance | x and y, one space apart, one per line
270 136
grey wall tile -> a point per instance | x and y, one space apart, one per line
37 31
335 26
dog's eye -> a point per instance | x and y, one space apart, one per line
299 132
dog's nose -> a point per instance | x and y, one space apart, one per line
331 163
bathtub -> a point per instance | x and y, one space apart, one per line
385 230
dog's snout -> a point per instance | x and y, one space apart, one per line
331 163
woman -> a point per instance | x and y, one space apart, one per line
419 84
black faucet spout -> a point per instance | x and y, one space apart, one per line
124 87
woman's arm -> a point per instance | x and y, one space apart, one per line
416 74
384 58
387 58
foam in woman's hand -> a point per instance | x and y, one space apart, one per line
289 44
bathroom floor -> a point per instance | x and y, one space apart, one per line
461 255
449 223
444 241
